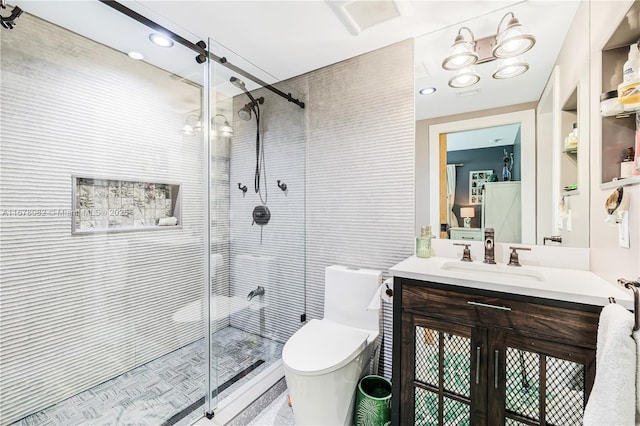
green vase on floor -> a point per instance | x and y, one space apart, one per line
373 402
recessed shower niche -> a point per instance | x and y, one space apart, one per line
111 205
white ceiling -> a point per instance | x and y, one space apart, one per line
277 40
487 137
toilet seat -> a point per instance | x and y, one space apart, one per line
322 346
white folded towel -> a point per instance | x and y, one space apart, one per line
613 398
168 221
636 337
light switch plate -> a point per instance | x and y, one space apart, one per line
623 230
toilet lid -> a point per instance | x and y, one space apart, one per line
322 346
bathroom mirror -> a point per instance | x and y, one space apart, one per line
495 123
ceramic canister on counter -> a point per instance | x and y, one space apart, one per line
627 164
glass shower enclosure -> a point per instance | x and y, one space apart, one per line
257 240
139 285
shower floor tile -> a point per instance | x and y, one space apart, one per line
150 395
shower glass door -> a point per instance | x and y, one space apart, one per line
102 222
257 184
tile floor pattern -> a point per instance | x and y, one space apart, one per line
151 394
278 413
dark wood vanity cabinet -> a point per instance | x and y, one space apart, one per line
472 357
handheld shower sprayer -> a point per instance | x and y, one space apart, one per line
245 114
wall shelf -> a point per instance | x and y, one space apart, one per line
570 193
634 180
113 205
569 161
618 131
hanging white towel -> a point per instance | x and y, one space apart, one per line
636 337
613 398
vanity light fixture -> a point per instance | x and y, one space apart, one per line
427 91
512 41
160 40
192 125
508 45
510 67
462 53
224 131
464 78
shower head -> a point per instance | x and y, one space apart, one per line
245 112
238 83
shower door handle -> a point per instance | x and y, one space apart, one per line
496 362
478 364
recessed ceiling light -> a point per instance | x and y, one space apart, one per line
428 91
136 55
161 40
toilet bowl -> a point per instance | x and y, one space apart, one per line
325 359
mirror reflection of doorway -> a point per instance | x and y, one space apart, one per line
476 164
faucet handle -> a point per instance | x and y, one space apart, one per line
553 238
466 253
513 258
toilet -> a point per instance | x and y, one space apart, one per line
324 360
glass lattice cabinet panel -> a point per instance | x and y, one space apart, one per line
530 375
442 378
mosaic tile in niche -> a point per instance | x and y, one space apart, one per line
114 189
115 203
110 204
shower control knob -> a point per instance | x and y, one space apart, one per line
261 215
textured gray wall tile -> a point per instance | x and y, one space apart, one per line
79 309
360 168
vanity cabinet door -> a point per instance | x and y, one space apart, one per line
444 381
537 382
479 358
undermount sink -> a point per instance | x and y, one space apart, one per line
485 269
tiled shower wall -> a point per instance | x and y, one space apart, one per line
79 309
271 256
360 168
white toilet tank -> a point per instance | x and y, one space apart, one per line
348 293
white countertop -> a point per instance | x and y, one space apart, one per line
569 285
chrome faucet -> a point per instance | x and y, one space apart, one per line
489 255
257 292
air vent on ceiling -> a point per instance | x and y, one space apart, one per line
358 15
470 92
